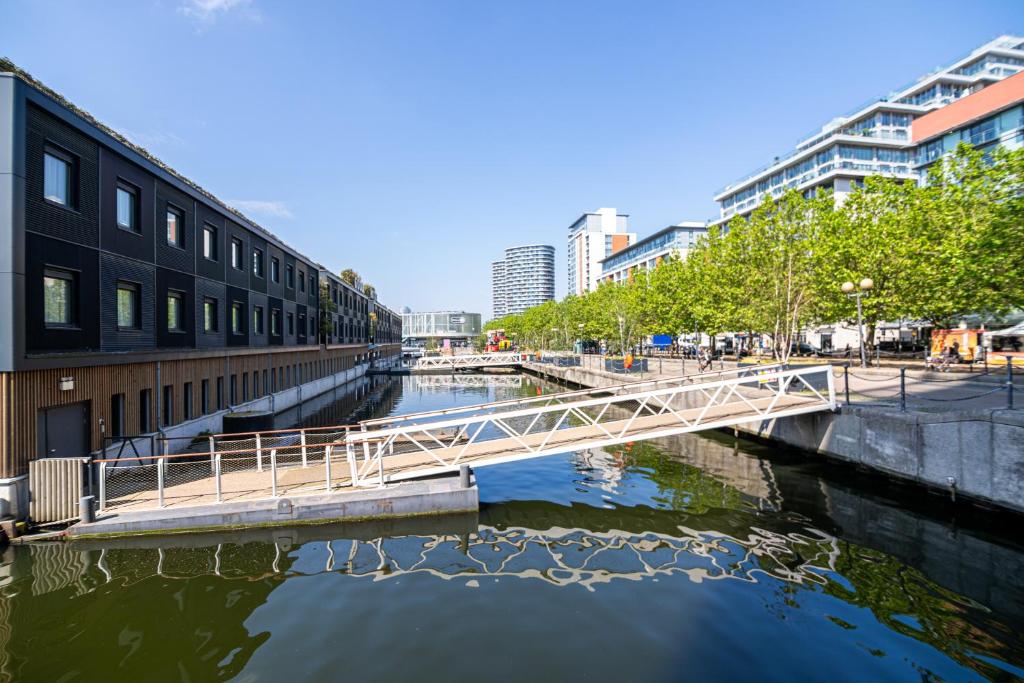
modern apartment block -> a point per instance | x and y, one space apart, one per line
675 241
593 237
986 119
498 307
874 138
131 299
523 279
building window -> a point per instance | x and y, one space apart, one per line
128 207
291 324
236 254
220 393
257 319
168 407
204 397
58 298
210 242
175 224
209 315
275 321
144 400
127 306
186 401
57 175
312 284
289 277
175 312
245 387
117 421
275 269
237 318
302 282
257 262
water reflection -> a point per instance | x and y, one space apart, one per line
696 554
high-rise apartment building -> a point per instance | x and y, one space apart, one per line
498 289
675 241
874 138
593 237
523 279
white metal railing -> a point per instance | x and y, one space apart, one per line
478 360
441 441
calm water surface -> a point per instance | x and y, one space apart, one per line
692 558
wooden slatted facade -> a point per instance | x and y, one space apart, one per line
25 393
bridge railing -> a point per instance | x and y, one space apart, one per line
407 449
563 396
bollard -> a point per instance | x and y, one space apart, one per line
86 510
903 390
846 381
464 476
1009 382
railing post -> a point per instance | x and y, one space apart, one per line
903 390
327 464
350 455
273 472
380 467
302 439
212 451
1009 382
103 485
216 472
846 381
259 453
160 480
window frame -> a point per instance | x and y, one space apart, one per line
71 277
215 328
275 270
71 182
136 290
258 256
180 213
289 276
275 322
237 248
290 321
180 296
134 193
237 322
211 230
257 320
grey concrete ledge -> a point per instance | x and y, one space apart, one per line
408 499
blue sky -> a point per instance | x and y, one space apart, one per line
414 141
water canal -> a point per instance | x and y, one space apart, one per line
692 558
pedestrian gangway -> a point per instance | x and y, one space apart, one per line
232 467
469 361
429 443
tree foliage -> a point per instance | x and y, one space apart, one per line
950 247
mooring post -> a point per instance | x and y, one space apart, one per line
259 453
103 485
1009 382
464 476
846 381
216 466
273 472
903 390
86 510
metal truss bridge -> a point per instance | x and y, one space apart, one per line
469 361
428 443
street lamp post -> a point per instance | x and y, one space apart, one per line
856 292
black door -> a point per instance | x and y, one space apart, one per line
64 431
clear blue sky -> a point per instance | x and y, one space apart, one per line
414 141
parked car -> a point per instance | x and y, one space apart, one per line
803 349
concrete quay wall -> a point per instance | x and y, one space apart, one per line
979 453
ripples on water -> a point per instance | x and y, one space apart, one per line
689 558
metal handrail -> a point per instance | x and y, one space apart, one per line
563 394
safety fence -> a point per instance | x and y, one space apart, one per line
994 387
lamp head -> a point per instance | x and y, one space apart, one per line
847 287
867 283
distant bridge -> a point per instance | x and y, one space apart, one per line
470 361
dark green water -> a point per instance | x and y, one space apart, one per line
692 558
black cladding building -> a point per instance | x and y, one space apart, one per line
132 300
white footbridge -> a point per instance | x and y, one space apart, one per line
377 452
428 443
470 361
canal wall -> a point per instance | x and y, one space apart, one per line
977 453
